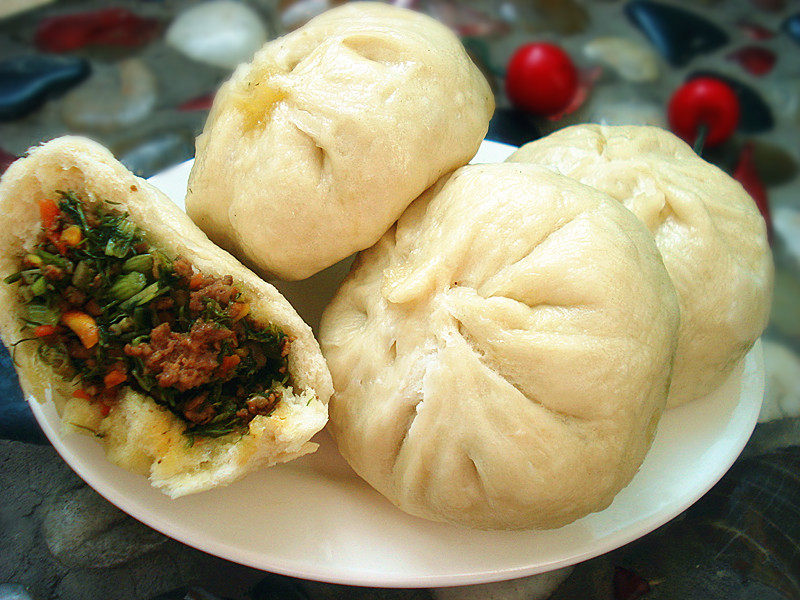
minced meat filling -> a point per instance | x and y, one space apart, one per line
110 309
184 360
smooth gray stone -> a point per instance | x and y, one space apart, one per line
278 587
740 541
35 481
83 529
31 477
773 435
188 593
156 152
327 591
534 587
14 591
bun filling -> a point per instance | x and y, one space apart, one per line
109 310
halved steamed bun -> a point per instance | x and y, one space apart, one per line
502 355
313 150
709 232
137 433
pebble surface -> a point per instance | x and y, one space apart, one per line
82 529
116 96
222 33
678 34
632 60
27 81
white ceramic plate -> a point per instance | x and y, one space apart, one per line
314 518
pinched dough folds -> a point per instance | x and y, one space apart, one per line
707 228
502 355
313 150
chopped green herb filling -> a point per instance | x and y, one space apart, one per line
111 310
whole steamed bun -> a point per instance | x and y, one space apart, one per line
501 357
708 229
313 149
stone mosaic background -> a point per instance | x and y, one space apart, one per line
139 76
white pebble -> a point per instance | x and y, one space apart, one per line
222 33
632 60
627 113
115 96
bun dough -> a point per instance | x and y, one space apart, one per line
138 434
313 150
502 355
711 236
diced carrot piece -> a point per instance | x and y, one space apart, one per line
82 395
196 282
114 377
238 310
83 326
44 330
48 211
229 363
72 236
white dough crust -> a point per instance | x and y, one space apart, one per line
313 149
138 434
709 232
501 357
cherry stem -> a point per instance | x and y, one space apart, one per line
700 139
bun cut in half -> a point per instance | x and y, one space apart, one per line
313 149
501 357
185 365
710 234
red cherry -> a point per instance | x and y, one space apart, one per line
541 78
704 102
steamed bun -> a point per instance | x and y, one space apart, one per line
137 433
502 355
711 236
314 149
